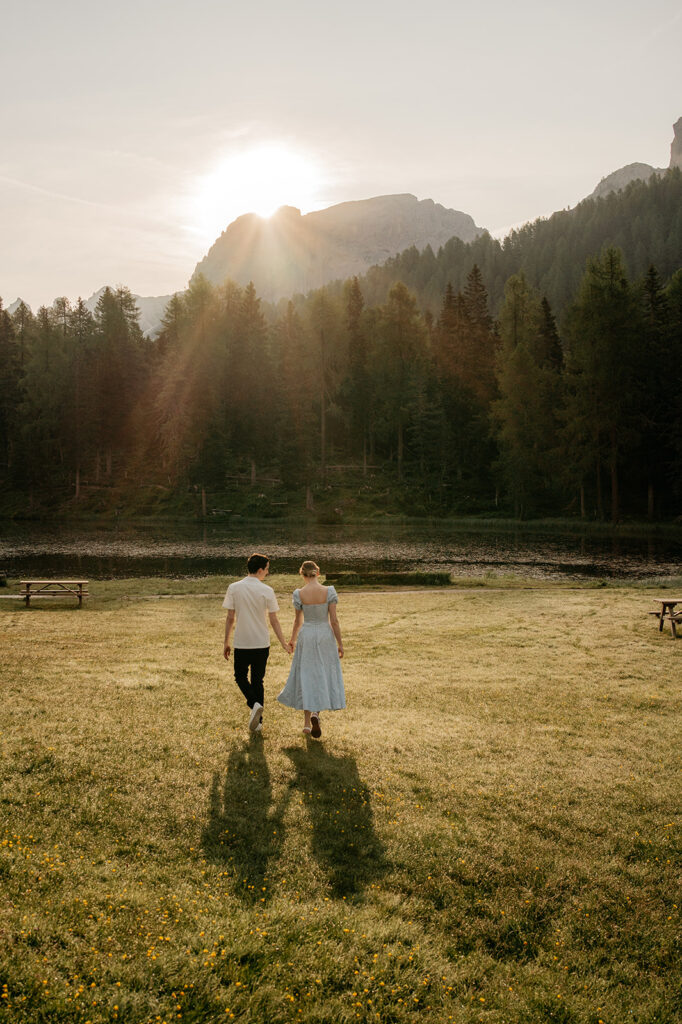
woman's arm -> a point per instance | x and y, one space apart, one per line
298 619
334 623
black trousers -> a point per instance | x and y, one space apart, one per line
254 658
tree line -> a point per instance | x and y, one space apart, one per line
459 411
644 221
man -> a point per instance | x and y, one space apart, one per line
252 603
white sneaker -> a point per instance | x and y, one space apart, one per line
254 718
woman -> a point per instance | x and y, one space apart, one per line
315 681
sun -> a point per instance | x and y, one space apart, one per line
256 180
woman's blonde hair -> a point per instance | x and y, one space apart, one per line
309 569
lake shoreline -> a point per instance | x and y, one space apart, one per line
463 547
473 522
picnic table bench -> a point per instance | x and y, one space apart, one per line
54 588
668 612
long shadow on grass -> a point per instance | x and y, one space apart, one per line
244 830
344 842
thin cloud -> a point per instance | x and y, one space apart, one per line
30 187
129 211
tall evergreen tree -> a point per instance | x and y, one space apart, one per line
357 384
296 424
674 374
10 393
81 419
465 337
172 322
526 411
402 357
550 351
463 348
427 434
46 401
252 380
602 377
189 387
655 391
329 353
22 319
118 354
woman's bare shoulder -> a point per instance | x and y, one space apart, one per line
313 595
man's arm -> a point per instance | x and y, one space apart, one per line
274 622
229 626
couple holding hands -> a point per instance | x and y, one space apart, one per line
315 680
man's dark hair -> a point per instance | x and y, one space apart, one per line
257 562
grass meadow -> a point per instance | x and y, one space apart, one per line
489 832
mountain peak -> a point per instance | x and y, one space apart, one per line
286 211
307 251
621 178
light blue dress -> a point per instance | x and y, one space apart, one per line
315 680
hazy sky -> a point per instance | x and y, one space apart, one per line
132 133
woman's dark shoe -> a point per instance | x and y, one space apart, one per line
315 729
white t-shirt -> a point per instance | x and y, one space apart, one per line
252 600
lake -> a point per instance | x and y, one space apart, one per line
107 550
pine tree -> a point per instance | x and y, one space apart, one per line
525 414
329 358
656 394
478 342
10 393
79 424
295 426
550 351
172 322
189 381
401 356
673 412
252 382
119 360
451 346
22 319
602 373
46 398
427 434
464 403
356 390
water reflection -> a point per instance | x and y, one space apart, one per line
107 550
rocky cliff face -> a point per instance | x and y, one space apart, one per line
640 172
622 177
676 145
292 253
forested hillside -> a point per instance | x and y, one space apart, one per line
397 392
644 222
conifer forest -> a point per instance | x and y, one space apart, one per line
536 376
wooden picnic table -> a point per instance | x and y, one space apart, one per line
668 612
53 588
